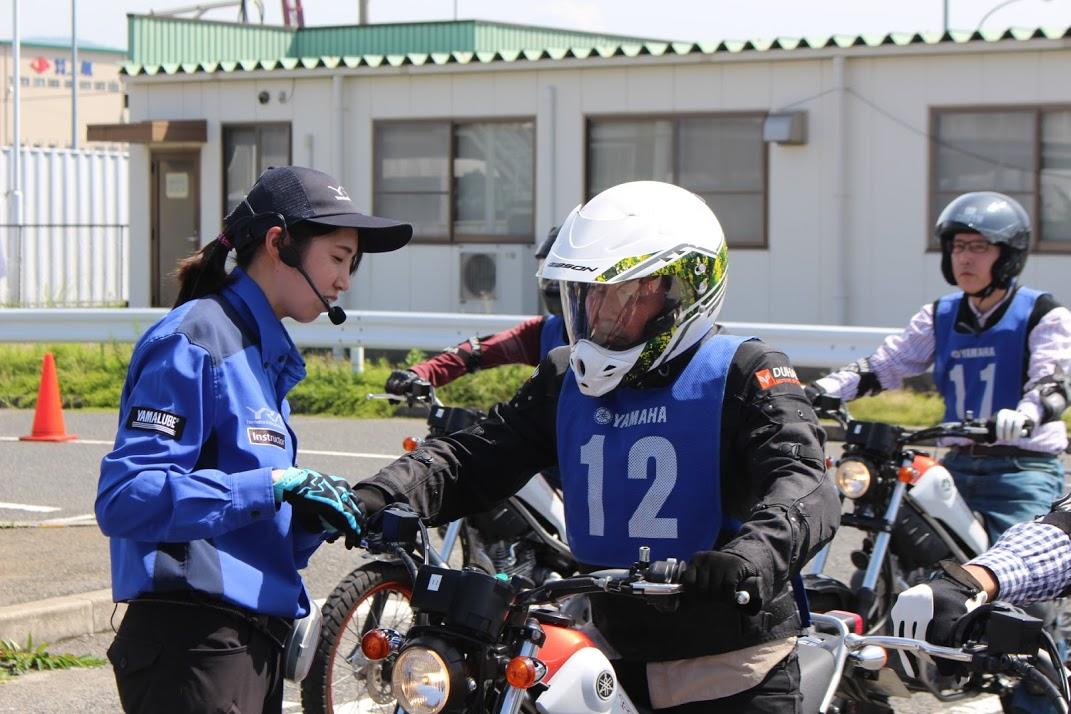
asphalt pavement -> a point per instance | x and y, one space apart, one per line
52 552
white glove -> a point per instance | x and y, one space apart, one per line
913 613
911 616
1010 424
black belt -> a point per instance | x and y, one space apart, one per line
276 629
999 450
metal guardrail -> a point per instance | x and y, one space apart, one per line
823 346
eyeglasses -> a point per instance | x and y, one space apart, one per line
974 246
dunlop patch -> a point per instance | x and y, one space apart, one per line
770 378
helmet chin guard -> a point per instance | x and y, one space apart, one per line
599 370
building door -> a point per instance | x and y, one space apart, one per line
176 218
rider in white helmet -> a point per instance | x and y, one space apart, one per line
669 434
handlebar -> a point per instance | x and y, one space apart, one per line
659 579
981 431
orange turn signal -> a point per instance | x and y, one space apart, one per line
377 644
410 443
911 473
523 672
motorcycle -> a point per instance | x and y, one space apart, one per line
913 516
481 643
524 536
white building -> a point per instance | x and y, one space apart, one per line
828 217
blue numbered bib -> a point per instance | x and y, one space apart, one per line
552 335
981 373
641 466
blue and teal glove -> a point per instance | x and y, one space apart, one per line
323 499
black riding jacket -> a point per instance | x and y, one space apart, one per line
772 476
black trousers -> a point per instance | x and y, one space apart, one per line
778 693
179 658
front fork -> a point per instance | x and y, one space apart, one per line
867 591
514 697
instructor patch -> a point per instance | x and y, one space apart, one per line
156 420
266 437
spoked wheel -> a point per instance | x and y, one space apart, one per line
342 680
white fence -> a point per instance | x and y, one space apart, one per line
823 346
71 248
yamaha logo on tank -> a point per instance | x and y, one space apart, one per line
604 685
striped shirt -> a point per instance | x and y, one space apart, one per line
911 353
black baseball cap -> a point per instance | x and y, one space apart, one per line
301 194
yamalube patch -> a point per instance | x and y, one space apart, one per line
157 420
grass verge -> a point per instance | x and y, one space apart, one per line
91 376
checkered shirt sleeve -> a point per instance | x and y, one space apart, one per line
1031 561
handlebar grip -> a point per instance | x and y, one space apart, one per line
665 571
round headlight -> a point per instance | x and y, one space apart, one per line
421 681
852 478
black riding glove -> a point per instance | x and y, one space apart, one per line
716 576
319 499
813 391
401 381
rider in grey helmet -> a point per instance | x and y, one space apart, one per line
996 348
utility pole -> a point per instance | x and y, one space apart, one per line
74 75
14 242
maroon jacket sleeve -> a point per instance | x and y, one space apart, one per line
517 345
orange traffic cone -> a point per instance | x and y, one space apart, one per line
48 419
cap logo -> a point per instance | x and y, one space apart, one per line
340 193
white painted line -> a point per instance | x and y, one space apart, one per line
87 519
310 452
26 507
351 454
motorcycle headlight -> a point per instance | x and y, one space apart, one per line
852 478
421 681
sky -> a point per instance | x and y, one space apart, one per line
103 22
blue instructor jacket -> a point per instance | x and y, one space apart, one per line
186 493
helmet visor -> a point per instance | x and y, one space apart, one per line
620 316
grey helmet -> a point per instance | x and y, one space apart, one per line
997 218
548 289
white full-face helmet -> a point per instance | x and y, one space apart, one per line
642 271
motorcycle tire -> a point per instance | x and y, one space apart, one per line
341 678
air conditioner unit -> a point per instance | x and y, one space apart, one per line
479 278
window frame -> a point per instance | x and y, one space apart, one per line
1037 242
256 127
675 118
453 237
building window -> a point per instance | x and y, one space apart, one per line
458 181
721 158
1022 152
53 83
100 86
24 81
85 85
113 86
248 149
38 81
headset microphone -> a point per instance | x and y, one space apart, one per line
289 255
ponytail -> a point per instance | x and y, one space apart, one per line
203 272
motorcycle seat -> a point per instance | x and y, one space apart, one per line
817 666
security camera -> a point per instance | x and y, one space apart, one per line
263 97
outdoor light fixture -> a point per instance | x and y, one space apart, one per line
787 128
263 97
